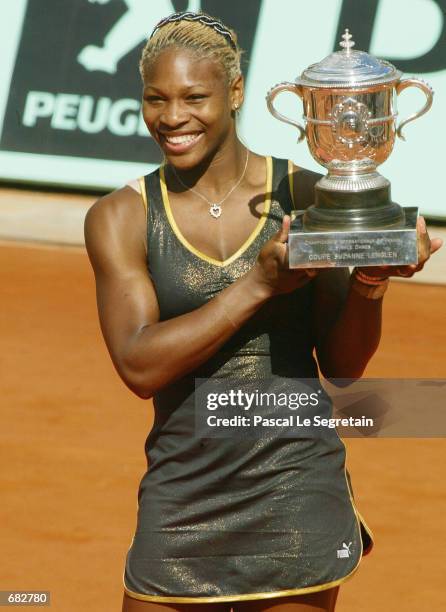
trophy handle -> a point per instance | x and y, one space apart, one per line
277 89
428 91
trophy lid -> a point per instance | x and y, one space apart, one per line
348 68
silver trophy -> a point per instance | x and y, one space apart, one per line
349 101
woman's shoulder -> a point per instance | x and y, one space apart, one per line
115 216
118 203
130 198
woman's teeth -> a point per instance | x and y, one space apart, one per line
186 138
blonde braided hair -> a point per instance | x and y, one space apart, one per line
194 31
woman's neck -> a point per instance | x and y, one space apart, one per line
217 173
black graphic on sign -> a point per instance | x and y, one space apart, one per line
359 17
76 86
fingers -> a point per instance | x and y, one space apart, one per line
377 270
421 225
436 243
426 246
311 272
282 234
407 271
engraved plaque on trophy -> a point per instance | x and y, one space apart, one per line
349 101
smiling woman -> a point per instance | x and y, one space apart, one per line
191 90
187 104
193 283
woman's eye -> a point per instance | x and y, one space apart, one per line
197 97
153 99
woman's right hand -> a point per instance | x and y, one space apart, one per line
271 271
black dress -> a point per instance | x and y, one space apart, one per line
220 519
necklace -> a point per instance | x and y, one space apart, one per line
215 207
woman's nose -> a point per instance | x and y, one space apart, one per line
174 114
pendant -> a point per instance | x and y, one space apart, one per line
215 210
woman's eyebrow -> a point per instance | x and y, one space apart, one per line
185 88
151 87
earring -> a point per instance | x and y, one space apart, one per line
236 106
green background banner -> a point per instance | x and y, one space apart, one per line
70 93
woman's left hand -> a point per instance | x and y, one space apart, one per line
426 248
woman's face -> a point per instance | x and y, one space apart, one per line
187 106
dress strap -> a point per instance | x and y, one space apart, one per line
282 186
145 200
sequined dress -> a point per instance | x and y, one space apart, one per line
224 520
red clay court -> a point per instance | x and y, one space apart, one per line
73 438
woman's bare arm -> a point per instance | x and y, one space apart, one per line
346 348
149 354
347 326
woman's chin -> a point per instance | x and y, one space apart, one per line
184 162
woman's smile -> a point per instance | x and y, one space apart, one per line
180 143
187 106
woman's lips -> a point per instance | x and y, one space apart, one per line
180 143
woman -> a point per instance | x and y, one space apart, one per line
195 284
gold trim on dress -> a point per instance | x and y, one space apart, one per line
131 544
248 241
359 517
142 187
369 533
269 594
243 596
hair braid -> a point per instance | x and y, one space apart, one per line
202 34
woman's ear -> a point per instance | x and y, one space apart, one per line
237 92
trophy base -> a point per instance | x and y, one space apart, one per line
342 248
367 209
